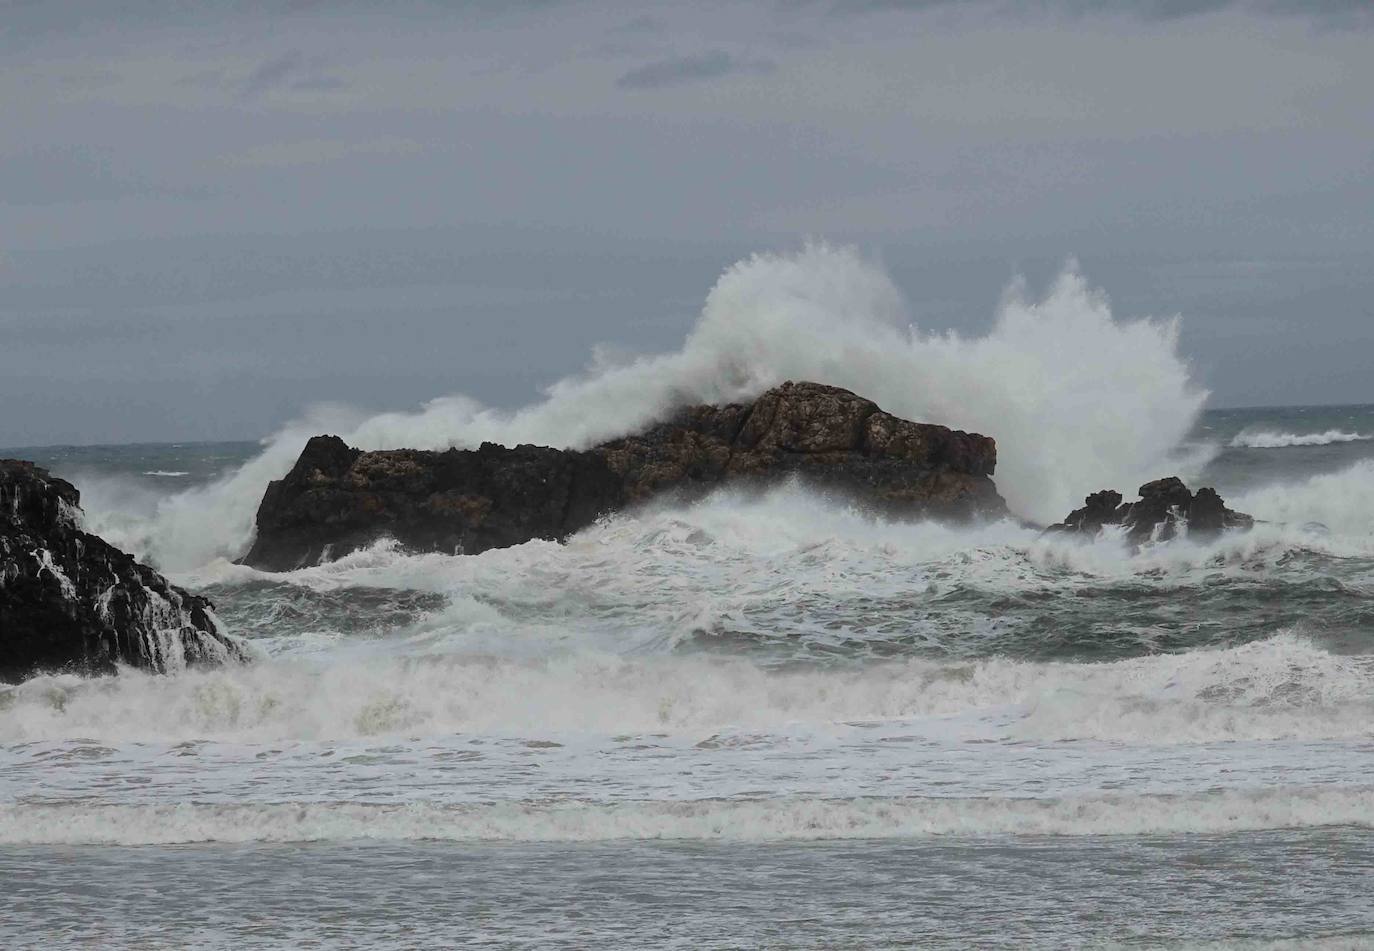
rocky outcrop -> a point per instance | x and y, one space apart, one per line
337 498
1165 509
71 602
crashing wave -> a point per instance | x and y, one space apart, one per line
1272 440
1052 381
1284 687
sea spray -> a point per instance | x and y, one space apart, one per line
195 526
1077 399
1340 503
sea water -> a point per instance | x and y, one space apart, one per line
760 720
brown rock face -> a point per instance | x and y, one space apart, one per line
337 499
1166 509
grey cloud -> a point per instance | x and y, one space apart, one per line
1348 14
1318 10
641 24
27 21
53 174
290 70
688 69
273 72
319 151
322 83
60 174
1338 13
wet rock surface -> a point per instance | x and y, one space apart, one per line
1165 510
337 499
69 601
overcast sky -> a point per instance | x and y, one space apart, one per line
214 214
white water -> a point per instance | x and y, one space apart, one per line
1341 501
1271 440
741 821
565 693
1282 688
1052 380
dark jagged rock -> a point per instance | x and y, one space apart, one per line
337 499
69 601
1165 506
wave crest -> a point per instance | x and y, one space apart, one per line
1272 440
1285 687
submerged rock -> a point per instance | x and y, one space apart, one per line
69 601
1165 507
337 499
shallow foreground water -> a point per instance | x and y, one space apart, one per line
1026 892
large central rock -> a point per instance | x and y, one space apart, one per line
71 602
338 499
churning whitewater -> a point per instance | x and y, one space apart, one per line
761 668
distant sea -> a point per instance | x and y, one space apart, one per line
749 722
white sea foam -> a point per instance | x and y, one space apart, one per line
1282 688
732 820
738 553
1073 396
166 473
1342 502
1272 440
195 526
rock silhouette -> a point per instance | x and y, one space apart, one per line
1165 509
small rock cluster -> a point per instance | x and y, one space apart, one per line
1166 509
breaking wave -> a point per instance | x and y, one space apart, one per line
1076 398
1340 502
1282 688
1268 440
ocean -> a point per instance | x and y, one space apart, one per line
756 721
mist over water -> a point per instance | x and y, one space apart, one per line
768 670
